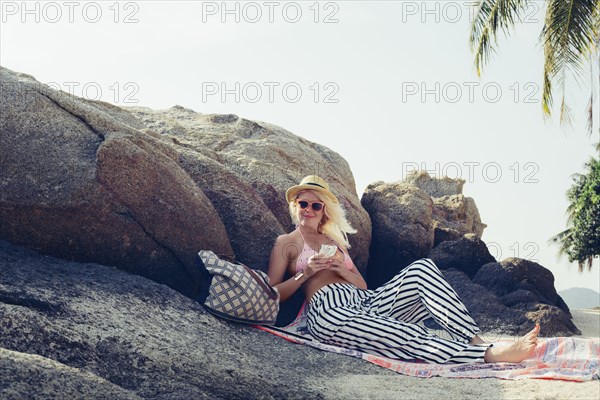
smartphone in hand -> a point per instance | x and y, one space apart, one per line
327 250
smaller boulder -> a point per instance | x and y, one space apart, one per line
485 307
529 287
513 274
519 297
492 314
466 254
553 321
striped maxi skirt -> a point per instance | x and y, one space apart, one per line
385 321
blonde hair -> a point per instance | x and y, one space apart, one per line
333 223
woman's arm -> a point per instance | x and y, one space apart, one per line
278 264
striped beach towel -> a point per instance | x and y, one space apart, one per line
561 358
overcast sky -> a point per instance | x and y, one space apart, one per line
389 85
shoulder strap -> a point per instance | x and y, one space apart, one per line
261 282
299 230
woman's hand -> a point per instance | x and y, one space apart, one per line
338 264
320 262
317 263
340 269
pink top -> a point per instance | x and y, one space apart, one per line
307 252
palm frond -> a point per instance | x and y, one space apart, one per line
491 16
590 114
569 36
590 106
563 239
589 261
560 236
547 88
566 116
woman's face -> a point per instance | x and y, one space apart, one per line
309 216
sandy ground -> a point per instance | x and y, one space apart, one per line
387 387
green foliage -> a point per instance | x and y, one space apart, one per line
581 241
570 38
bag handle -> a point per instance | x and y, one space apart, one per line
267 288
261 282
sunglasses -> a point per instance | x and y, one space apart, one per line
315 205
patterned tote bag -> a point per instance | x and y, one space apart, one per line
236 292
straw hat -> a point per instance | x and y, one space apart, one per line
311 182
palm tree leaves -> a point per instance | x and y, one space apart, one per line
570 37
491 16
581 241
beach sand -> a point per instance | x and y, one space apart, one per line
385 386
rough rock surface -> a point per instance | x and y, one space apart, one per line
514 274
28 376
494 314
466 254
145 190
78 182
402 229
250 224
83 330
552 318
527 286
268 160
435 187
411 217
455 216
485 307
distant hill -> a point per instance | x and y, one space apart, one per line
580 297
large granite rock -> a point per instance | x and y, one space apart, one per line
145 190
71 330
402 228
79 182
268 160
411 217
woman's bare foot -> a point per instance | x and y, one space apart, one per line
514 352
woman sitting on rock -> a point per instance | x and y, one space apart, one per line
343 312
